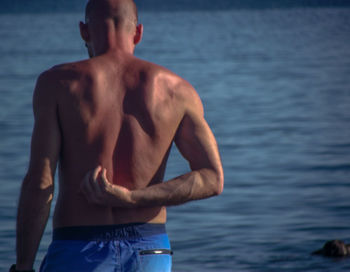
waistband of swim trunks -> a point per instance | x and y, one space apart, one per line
108 232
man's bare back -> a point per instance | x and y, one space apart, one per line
119 112
109 123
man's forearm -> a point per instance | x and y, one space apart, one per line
33 212
195 185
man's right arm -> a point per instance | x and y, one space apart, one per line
38 185
198 146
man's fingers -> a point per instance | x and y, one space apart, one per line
89 186
95 186
104 176
90 175
86 188
96 172
103 182
93 181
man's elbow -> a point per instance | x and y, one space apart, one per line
212 181
38 185
217 182
219 186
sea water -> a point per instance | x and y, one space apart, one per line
275 85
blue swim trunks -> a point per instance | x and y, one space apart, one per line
119 248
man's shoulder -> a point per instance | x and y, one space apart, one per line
64 75
50 83
68 70
177 86
166 78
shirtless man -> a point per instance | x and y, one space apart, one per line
110 122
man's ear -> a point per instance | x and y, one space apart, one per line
138 34
84 33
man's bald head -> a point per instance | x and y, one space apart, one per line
110 25
123 12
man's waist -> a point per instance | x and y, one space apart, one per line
79 213
108 232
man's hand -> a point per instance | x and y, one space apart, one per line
98 190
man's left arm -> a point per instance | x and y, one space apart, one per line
197 145
38 184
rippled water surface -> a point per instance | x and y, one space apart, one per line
276 89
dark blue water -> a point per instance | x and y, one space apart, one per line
49 6
276 89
